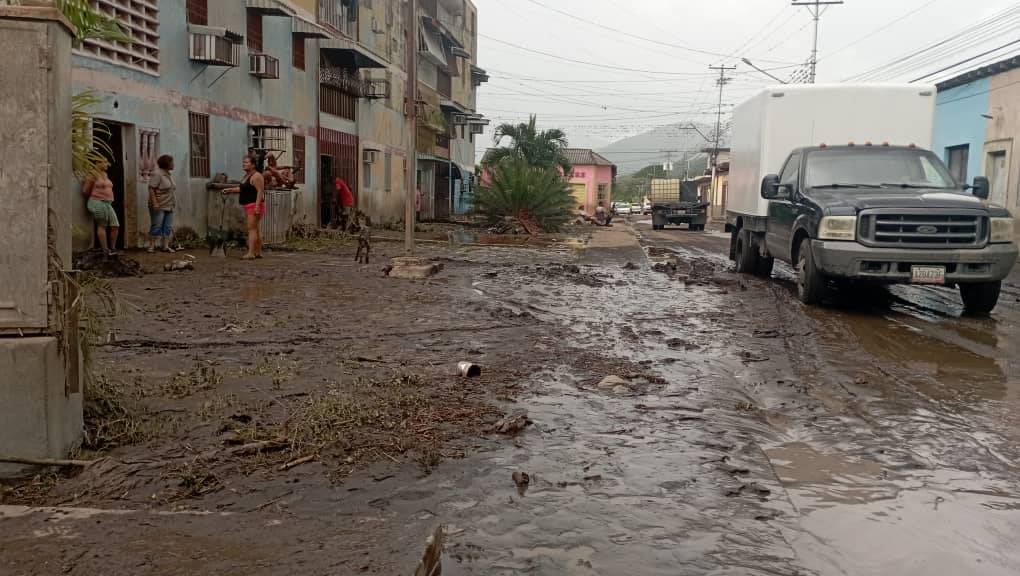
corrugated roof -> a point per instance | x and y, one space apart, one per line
979 73
585 157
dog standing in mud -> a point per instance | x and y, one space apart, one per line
364 242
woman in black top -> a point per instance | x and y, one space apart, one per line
251 195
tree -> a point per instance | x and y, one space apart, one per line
541 149
518 189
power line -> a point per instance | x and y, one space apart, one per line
880 29
961 62
976 94
625 33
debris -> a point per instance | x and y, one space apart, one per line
677 343
178 265
411 268
232 328
469 369
521 479
733 469
115 266
748 356
431 561
668 267
766 334
48 461
631 266
297 462
612 381
675 406
512 423
256 447
592 477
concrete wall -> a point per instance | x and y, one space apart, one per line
1003 130
591 177
958 121
234 101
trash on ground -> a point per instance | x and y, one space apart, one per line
512 423
469 369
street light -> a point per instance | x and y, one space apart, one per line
748 62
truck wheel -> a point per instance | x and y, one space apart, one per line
764 267
810 282
979 299
747 258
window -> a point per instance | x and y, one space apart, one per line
337 102
603 190
299 159
341 15
299 52
367 175
198 12
254 31
140 19
198 125
791 171
388 171
957 157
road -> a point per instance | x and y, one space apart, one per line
746 434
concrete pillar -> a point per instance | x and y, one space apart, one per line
40 393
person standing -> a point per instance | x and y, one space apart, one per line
346 201
162 202
251 196
98 189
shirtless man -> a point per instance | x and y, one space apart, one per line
98 190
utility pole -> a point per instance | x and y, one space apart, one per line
815 7
722 81
411 117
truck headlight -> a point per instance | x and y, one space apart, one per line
838 228
1002 230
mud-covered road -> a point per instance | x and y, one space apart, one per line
747 434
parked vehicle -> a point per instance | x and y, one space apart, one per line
635 208
859 211
621 208
674 201
646 207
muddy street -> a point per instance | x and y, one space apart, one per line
685 419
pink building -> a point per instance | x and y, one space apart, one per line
591 179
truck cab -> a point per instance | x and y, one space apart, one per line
878 214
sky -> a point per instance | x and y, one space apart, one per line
603 70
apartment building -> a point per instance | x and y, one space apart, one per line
320 84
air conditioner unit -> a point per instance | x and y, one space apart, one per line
213 49
368 156
478 128
459 119
377 89
263 66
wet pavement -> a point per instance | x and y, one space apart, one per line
747 434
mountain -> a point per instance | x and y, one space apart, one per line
634 153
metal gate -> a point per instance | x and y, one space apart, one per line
276 221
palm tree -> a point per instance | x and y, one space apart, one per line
538 149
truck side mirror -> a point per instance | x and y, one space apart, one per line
982 188
770 187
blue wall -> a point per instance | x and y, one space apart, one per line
958 121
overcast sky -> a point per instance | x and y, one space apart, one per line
668 46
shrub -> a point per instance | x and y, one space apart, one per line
525 192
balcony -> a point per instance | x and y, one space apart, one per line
214 46
344 80
264 66
340 16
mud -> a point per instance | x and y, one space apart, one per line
116 266
742 434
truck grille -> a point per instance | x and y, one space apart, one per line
923 229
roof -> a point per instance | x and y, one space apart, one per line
979 73
585 157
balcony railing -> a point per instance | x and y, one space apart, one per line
346 81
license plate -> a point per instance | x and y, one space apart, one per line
928 274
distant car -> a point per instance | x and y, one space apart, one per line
621 208
635 208
646 208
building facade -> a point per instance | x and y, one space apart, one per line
319 84
590 179
977 122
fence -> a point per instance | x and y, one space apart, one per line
276 222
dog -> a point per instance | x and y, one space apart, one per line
364 244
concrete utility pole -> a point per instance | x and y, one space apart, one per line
815 7
411 115
722 81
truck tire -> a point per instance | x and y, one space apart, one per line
979 299
764 267
746 255
810 282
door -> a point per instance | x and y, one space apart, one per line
998 173
113 137
580 193
326 190
783 212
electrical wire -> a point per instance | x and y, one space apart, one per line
878 30
965 61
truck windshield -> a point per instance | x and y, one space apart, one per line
876 168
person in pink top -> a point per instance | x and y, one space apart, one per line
98 190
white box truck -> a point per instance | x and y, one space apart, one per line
839 182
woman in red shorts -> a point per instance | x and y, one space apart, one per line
251 195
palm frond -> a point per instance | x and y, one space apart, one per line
89 24
88 136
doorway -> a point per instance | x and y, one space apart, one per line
114 140
326 192
998 172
